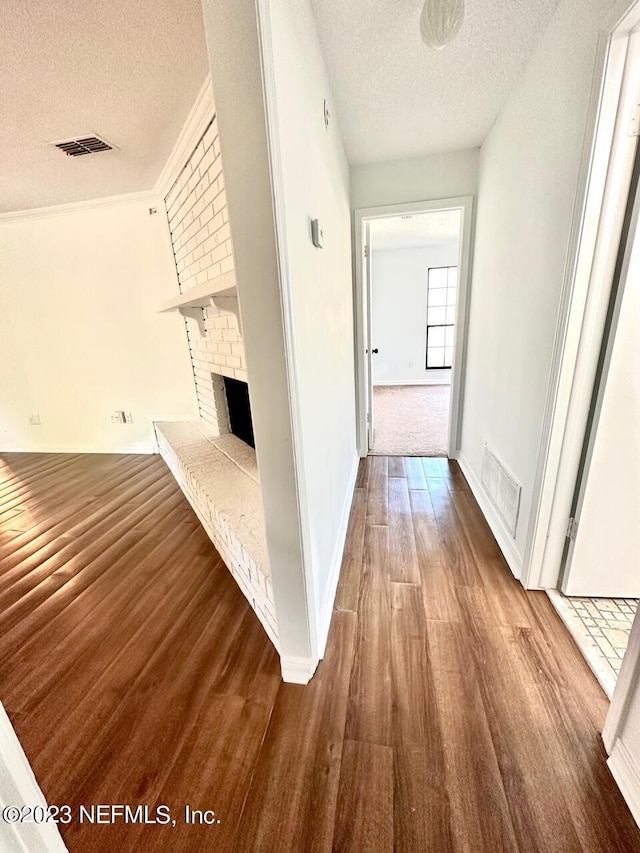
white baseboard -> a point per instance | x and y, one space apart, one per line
626 772
326 610
297 670
504 539
125 449
19 787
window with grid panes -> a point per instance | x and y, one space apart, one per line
441 312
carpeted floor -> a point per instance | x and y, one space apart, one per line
410 420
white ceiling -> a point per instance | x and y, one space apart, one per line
128 70
397 98
437 228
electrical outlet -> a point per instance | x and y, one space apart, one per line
128 417
410 364
34 420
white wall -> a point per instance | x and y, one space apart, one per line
80 333
315 184
607 547
528 177
235 58
433 176
399 312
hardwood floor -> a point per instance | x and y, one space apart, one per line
452 711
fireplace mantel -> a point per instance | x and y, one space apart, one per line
219 291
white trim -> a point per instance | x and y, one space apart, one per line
466 205
606 165
626 686
73 207
202 111
296 670
326 610
627 775
19 787
288 322
504 539
127 448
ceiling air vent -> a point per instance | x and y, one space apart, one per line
82 145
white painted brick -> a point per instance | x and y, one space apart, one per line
214 271
196 206
210 134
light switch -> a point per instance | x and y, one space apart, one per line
317 236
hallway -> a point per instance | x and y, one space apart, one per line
452 711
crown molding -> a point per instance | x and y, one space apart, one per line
201 114
75 206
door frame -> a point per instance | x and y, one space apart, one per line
465 204
629 247
599 209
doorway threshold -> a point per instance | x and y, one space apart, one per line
600 628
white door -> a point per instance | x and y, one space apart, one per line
604 558
368 297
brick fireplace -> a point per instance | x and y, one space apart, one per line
216 469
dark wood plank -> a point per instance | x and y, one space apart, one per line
403 557
294 790
396 466
377 491
421 810
511 710
369 711
365 800
480 816
348 591
439 586
362 479
464 569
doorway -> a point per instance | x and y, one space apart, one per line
412 269
586 540
414 283
599 580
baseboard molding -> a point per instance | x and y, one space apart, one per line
503 537
626 772
297 670
389 382
18 786
125 449
324 623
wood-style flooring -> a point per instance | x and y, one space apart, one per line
452 711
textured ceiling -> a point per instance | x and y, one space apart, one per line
437 228
128 70
396 98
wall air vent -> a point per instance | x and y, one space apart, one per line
82 145
502 488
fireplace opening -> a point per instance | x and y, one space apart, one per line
239 409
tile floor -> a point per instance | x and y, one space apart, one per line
601 627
